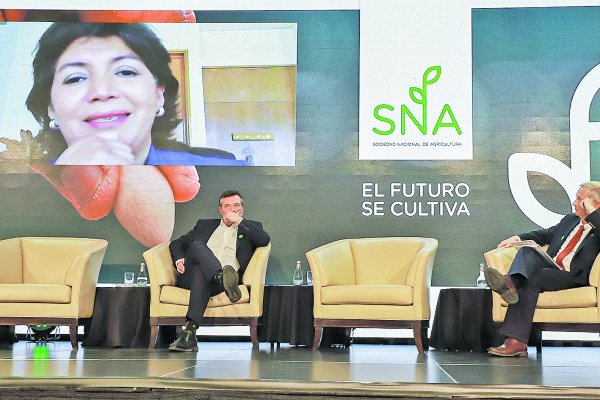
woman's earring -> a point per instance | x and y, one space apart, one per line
160 112
53 125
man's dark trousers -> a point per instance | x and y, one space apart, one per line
532 275
201 266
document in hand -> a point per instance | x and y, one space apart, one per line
537 248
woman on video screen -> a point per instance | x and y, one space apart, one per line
104 95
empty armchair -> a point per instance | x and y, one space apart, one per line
168 303
373 283
571 310
49 280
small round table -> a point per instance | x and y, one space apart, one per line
288 318
463 321
121 317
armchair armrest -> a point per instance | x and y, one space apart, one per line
161 272
595 279
595 274
255 275
417 273
332 264
11 267
500 259
160 266
419 277
257 267
82 276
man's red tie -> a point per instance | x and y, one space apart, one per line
569 247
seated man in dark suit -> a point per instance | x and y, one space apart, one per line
573 244
211 258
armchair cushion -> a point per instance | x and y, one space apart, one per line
400 295
175 295
35 293
569 298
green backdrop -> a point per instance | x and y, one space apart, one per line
524 70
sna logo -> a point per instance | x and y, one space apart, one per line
445 119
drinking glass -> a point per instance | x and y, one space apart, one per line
128 278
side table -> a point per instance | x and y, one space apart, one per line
463 321
121 318
7 334
288 318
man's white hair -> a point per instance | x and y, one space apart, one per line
594 189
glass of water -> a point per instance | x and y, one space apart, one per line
128 278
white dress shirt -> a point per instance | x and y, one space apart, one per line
223 243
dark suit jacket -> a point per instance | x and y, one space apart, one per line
250 236
586 253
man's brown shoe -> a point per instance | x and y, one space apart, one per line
510 348
502 285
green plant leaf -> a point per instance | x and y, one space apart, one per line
416 94
431 75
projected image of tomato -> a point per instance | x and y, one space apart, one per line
141 196
14 15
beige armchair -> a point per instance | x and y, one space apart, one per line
570 310
49 280
168 303
373 283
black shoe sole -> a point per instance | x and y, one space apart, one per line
230 284
496 282
183 349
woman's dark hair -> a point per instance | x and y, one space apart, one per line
138 37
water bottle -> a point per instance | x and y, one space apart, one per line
142 278
297 278
481 282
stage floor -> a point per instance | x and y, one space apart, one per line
360 370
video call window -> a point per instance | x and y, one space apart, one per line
101 95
